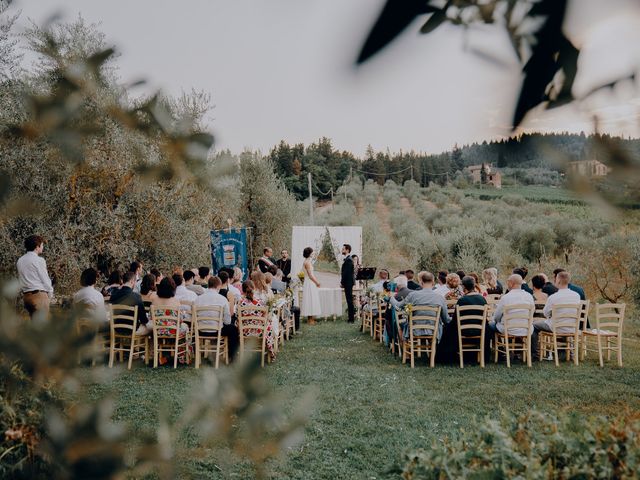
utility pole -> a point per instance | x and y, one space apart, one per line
412 172
310 200
350 173
331 197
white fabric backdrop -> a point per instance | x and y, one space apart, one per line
303 237
350 235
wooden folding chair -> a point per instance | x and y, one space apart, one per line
397 343
378 321
469 320
565 333
186 313
123 323
167 336
288 320
207 324
609 322
514 317
367 315
99 345
492 303
252 323
419 343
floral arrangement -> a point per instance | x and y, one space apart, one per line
301 276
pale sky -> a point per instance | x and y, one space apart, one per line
283 69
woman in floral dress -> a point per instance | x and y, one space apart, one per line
249 298
167 304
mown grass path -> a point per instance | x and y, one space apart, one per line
369 408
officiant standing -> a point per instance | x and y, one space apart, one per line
347 280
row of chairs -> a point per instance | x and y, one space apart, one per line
167 336
569 331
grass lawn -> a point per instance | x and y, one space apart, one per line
369 408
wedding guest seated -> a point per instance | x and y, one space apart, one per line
491 282
249 299
441 288
236 281
411 283
157 274
549 288
126 296
225 291
189 283
514 296
564 296
424 297
277 283
523 271
260 288
539 297
461 274
230 272
575 288
383 276
214 297
449 346
268 278
88 298
136 267
148 289
402 282
479 287
166 303
203 276
114 283
454 289
182 293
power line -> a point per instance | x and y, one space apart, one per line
324 194
383 174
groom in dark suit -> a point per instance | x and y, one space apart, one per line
347 280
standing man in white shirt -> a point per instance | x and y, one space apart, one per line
35 283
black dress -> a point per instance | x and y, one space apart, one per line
447 351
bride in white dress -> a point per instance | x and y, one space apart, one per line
310 295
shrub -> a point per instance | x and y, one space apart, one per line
514 200
534 445
534 241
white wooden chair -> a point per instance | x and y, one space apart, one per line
207 327
515 319
607 334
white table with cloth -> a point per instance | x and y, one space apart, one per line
330 301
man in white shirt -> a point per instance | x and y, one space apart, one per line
88 297
516 296
212 297
35 283
182 292
189 279
441 288
564 296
